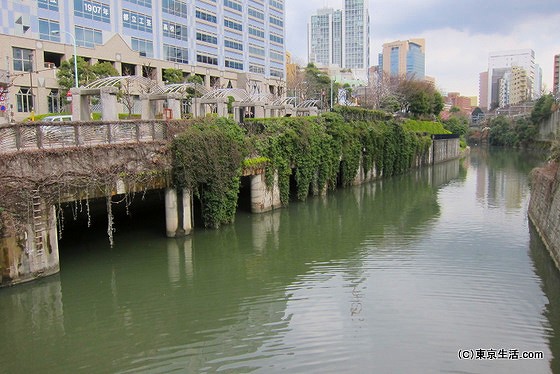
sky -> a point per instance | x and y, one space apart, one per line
459 34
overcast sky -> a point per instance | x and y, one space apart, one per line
459 34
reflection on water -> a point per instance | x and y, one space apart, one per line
550 279
392 276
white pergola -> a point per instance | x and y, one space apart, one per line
245 104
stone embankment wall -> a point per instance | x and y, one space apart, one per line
544 207
550 128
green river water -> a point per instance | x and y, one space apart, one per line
395 276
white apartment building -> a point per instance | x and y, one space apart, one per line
500 65
341 37
228 43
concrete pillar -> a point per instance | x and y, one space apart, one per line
187 211
198 109
171 213
259 110
80 105
222 108
174 104
108 97
147 107
237 114
178 218
263 198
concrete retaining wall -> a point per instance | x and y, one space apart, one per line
445 149
550 129
544 207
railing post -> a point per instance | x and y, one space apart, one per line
109 136
39 136
138 125
77 132
17 135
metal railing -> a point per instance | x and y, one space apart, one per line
50 135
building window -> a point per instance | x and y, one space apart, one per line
24 100
54 102
48 4
256 32
205 16
233 5
144 47
46 28
234 65
146 3
276 21
276 73
92 10
23 59
175 7
233 45
276 39
174 30
277 56
259 69
233 25
175 54
86 37
276 4
207 59
255 50
136 21
206 38
255 13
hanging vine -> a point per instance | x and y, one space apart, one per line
87 177
208 159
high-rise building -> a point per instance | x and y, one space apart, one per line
341 37
556 77
325 37
500 67
356 34
404 58
483 90
228 43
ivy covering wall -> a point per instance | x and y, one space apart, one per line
318 152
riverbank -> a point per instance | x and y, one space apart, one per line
544 207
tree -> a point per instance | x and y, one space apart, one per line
86 73
458 125
173 76
542 108
419 98
125 95
390 104
310 83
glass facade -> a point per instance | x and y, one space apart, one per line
320 39
357 34
339 37
415 62
395 52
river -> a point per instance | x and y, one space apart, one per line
403 275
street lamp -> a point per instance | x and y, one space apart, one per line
56 32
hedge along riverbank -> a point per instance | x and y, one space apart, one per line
321 152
